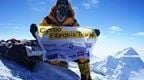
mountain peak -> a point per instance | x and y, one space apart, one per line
120 67
129 48
128 52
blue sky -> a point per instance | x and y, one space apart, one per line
121 21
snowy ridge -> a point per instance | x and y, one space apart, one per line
122 66
11 71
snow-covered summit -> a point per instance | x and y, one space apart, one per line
128 52
121 66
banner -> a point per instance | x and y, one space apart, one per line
66 43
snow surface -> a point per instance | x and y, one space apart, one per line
11 71
125 65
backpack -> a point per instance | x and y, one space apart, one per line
17 52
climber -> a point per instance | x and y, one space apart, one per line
62 14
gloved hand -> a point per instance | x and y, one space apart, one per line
33 29
97 31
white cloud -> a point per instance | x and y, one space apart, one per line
14 30
103 37
139 34
12 26
104 47
40 6
90 3
38 9
75 8
115 29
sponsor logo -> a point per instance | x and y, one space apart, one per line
59 33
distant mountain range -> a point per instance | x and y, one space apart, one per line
122 66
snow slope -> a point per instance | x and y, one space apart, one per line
125 65
9 70
122 66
